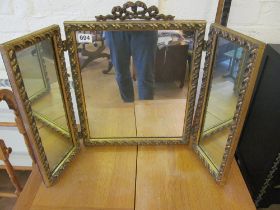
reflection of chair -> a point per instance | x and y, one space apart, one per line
171 63
98 53
4 156
8 96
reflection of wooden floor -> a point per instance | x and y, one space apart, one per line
222 104
220 110
109 116
50 106
152 118
55 145
160 117
214 146
112 121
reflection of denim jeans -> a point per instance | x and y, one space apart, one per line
141 45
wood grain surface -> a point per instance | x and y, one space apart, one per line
173 178
25 199
166 178
99 178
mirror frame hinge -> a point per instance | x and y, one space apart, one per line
64 45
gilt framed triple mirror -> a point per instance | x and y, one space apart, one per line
135 74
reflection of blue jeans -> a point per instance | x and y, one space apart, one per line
141 45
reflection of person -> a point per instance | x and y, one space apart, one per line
141 45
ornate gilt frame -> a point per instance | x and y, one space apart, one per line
255 50
8 51
161 22
70 29
218 128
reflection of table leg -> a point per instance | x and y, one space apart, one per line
185 77
95 55
233 61
232 64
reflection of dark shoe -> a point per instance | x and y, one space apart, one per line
33 52
128 101
110 66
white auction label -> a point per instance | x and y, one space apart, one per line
84 38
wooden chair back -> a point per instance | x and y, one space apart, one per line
4 156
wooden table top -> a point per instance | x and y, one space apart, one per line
168 177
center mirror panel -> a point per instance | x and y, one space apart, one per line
136 81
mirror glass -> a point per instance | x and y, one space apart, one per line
135 82
39 73
223 93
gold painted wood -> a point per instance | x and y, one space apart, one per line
222 13
219 13
8 51
99 178
137 10
172 178
255 50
